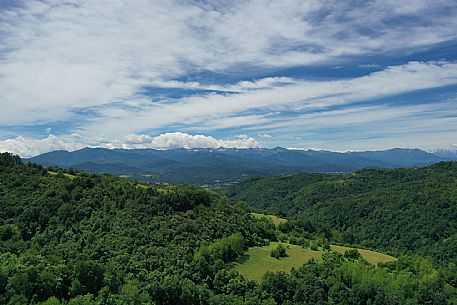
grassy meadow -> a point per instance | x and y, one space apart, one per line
258 261
370 256
275 219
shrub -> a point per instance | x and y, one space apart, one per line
278 251
313 246
326 246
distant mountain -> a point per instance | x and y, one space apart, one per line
221 166
451 154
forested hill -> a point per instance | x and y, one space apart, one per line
70 235
72 238
401 210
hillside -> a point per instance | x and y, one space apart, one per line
91 234
72 238
398 210
222 166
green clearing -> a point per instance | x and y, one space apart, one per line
141 186
275 219
52 173
258 261
370 256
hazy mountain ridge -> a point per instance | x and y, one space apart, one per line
223 165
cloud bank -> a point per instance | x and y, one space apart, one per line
29 147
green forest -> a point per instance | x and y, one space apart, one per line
400 211
69 237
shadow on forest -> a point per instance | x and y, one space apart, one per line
241 260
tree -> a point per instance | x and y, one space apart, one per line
88 277
131 293
52 301
18 300
279 285
7 159
278 251
352 254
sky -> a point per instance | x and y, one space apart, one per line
329 74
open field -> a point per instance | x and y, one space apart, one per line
371 256
65 174
259 260
276 220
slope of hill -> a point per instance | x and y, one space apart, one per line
219 166
72 238
399 210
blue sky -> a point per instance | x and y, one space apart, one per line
335 75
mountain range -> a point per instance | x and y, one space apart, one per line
225 165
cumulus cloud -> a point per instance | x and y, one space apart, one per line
29 147
184 140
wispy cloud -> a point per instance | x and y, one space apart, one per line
425 126
60 57
369 66
89 64
299 96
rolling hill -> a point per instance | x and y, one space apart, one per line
400 210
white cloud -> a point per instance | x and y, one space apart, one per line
369 66
223 122
58 58
29 147
425 126
298 96
183 140
265 135
363 116
84 63
242 136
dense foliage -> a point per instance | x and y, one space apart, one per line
69 235
337 280
72 238
402 211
